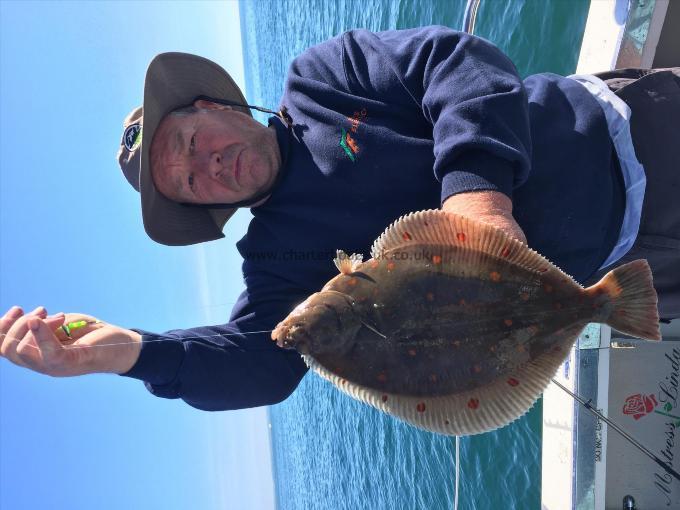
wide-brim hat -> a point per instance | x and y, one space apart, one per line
173 80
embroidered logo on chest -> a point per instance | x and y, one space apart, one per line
348 140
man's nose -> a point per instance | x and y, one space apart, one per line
215 165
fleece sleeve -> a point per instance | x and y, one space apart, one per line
224 367
465 88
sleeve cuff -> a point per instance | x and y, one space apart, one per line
478 172
159 361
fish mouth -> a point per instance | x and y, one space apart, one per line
292 336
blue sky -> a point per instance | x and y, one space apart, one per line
71 239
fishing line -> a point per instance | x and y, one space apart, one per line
162 339
480 320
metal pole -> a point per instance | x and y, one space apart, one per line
618 429
470 16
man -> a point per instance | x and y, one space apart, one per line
372 126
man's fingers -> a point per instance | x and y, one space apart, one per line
17 328
40 349
6 322
55 320
53 323
13 314
44 335
7 342
40 311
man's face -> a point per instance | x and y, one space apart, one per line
216 155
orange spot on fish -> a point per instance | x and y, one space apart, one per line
558 306
461 236
495 276
547 287
384 398
462 302
473 403
512 381
406 236
543 270
436 259
352 281
524 296
411 352
382 377
421 407
390 266
374 264
433 377
508 322
429 296
477 369
505 252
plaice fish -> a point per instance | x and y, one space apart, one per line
455 327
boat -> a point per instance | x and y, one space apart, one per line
586 464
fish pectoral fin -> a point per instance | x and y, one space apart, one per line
347 264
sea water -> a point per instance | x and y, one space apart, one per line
329 451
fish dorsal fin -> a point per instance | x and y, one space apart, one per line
440 228
347 264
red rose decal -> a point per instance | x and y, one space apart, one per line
639 405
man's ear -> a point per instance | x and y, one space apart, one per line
202 104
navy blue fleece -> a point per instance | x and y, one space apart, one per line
385 124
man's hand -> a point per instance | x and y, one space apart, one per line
36 341
491 207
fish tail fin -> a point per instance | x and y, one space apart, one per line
634 300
